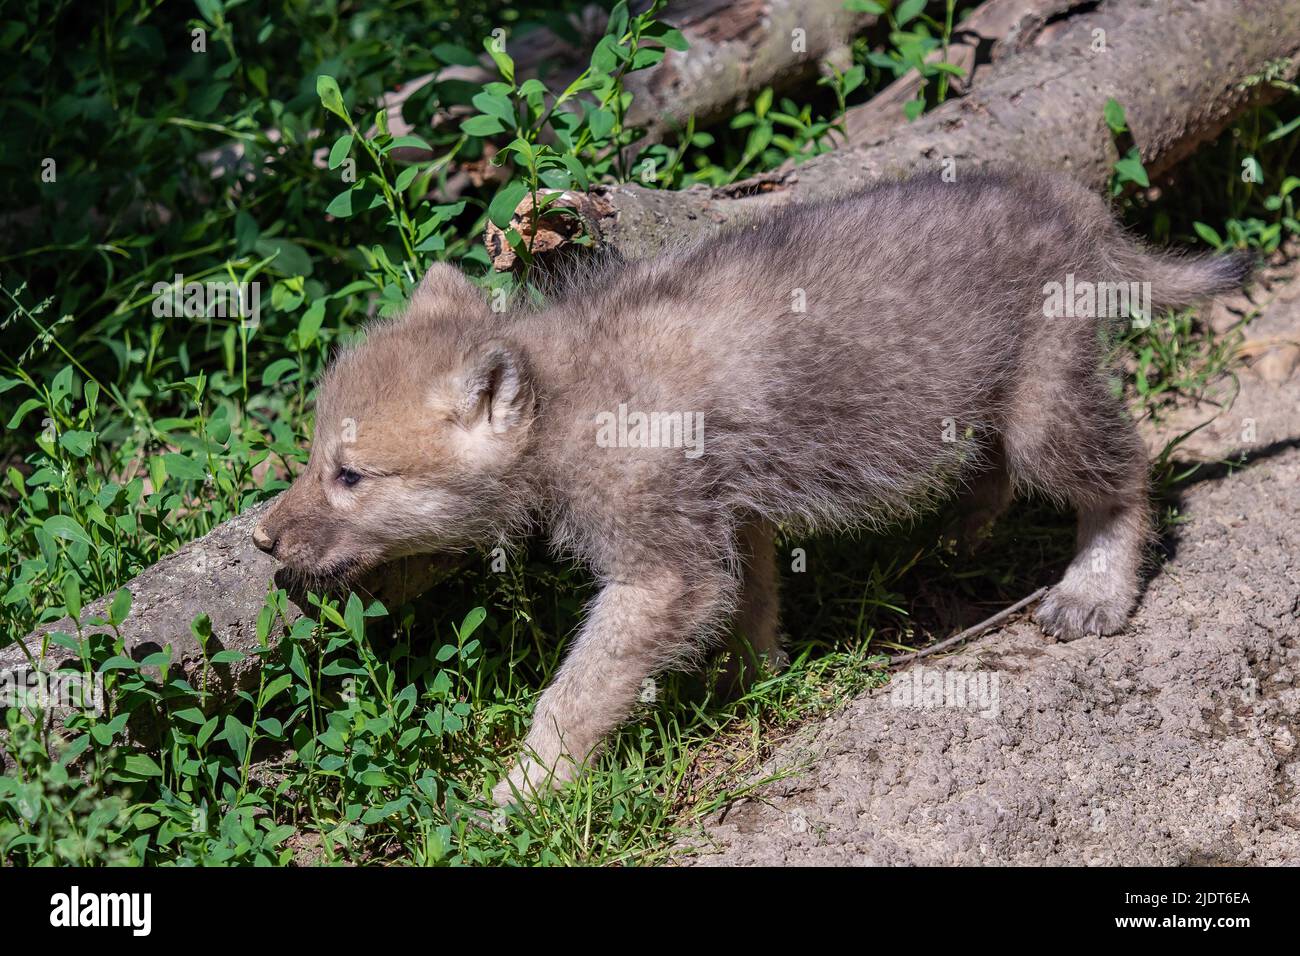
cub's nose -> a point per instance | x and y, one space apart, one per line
263 539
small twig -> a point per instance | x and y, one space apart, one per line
970 632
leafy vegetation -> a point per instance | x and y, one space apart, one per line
161 145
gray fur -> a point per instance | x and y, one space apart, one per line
924 323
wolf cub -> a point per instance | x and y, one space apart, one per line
833 365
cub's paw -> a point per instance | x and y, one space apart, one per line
1068 614
530 781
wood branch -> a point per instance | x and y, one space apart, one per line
1182 69
738 47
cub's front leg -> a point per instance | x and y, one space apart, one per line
634 628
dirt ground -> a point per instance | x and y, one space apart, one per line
1173 743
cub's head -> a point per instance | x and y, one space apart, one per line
420 430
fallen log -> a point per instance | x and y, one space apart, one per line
1182 69
738 47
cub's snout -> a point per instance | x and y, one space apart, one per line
301 531
263 539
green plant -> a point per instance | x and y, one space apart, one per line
912 49
1128 168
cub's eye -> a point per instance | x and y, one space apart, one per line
348 476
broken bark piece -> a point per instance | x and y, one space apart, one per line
562 222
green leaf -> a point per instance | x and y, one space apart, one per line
1114 114
574 166
645 57
339 151
330 96
408 142
61 526
600 122
78 443
275 371
405 178
673 39
23 411
205 732
454 55
908 11
482 125
236 735
504 203
72 595
184 467
291 259
1208 234
141 765
275 687
341 205
494 105
605 58
246 233
1131 170
310 323
501 59
530 87
471 623
120 608
354 617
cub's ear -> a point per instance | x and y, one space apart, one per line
496 388
444 289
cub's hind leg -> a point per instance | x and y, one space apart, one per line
1073 441
755 644
986 495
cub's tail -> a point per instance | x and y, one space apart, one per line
1179 280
